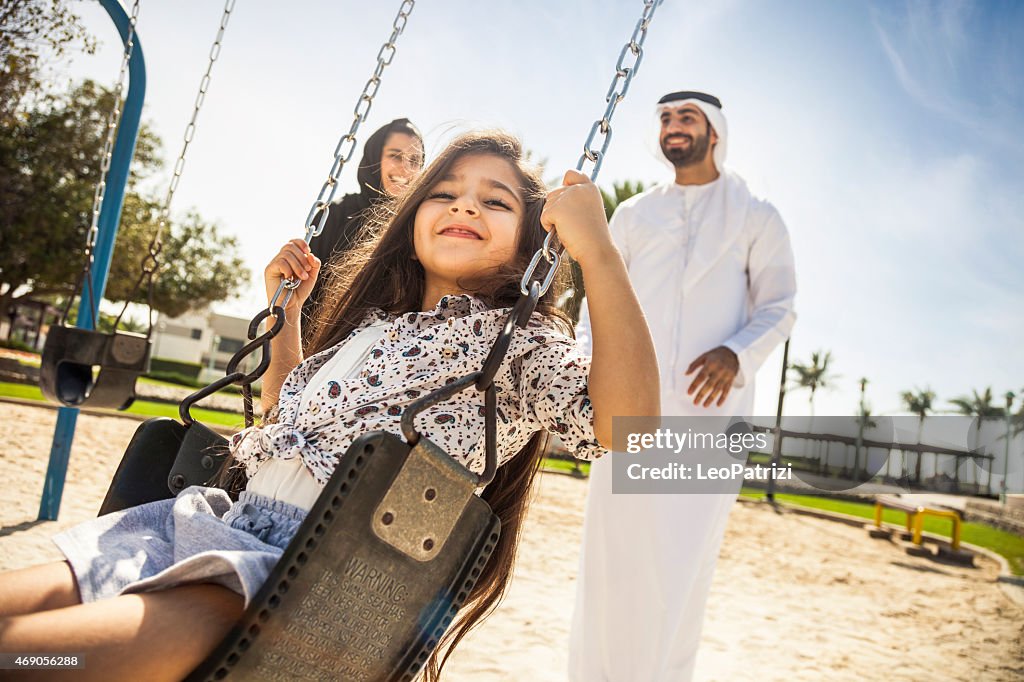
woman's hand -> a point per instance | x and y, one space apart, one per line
293 261
576 212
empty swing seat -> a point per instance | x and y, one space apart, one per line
87 368
163 458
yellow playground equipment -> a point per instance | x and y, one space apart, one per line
915 517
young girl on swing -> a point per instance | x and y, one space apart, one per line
148 592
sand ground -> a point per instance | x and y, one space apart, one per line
794 597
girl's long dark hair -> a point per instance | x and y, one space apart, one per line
381 271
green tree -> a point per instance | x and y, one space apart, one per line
813 376
107 321
30 32
198 264
980 406
620 192
1017 420
576 291
920 403
49 166
864 422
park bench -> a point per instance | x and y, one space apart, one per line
915 517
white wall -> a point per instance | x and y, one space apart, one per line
192 337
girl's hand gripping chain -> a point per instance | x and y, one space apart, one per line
293 261
576 212
623 379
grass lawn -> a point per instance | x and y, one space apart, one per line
142 407
152 381
161 382
563 466
227 389
1010 546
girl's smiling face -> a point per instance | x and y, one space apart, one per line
468 224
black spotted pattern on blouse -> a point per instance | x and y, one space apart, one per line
542 384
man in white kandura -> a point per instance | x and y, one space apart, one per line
713 269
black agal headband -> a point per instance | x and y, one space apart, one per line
690 94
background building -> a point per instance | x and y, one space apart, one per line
205 338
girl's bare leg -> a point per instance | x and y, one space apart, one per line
39 588
151 636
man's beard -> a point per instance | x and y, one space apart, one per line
680 157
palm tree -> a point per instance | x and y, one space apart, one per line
1011 431
130 324
864 422
978 405
920 403
620 192
1017 420
812 376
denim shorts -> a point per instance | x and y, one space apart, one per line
200 536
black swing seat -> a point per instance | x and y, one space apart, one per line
373 577
163 458
72 355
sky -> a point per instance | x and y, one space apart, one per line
886 133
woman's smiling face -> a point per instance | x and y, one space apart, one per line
400 161
468 223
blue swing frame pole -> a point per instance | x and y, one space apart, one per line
110 218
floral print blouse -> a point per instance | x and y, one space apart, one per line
542 384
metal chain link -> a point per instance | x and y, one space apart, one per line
342 153
347 144
551 252
625 74
532 289
190 131
112 123
151 263
113 120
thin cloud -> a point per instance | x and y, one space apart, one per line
929 46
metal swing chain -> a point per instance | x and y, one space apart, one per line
113 121
531 287
151 263
342 153
552 251
347 144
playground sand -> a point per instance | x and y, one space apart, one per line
794 597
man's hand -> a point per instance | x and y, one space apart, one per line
718 368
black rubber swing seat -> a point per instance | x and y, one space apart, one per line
372 579
72 355
163 458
